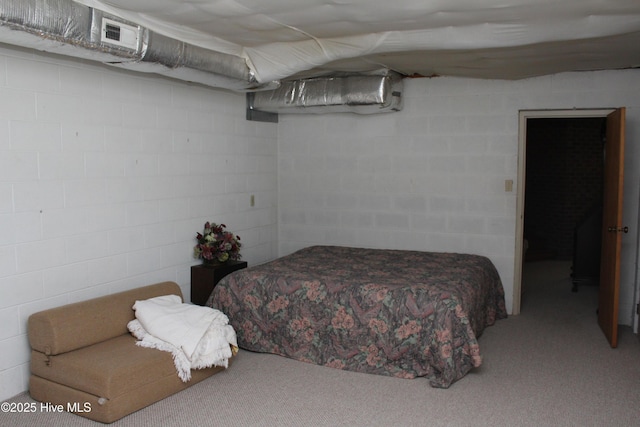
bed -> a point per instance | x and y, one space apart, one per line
390 312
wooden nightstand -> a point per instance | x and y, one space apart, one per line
205 278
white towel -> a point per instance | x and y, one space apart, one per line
198 337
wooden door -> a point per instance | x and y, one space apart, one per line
612 227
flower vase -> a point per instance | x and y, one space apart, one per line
211 263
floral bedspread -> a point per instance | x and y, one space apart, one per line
400 313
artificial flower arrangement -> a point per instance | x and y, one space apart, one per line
216 244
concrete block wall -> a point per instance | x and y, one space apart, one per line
432 176
105 178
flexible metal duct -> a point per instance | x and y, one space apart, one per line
362 94
69 28
72 29
59 26
179 60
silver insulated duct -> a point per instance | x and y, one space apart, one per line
68 28
63 27
72 29
179 60
362 94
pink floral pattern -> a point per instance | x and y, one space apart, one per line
400 313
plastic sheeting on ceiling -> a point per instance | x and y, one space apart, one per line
505 39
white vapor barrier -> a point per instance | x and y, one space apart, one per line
285 39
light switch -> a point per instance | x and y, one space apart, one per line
252 202
508 185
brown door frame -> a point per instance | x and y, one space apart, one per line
524 116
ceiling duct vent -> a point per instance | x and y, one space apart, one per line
120 34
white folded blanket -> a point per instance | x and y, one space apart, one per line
197 337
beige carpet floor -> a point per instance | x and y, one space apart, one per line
549 366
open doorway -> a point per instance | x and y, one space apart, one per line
564 150
563 202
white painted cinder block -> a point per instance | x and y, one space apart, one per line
33 75
454 145
18 165
21 289
61 165
6 198
105 178
7 261
10 322
19 105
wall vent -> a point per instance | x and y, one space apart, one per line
120 34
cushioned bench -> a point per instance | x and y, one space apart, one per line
84 358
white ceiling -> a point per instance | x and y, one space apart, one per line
504 39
